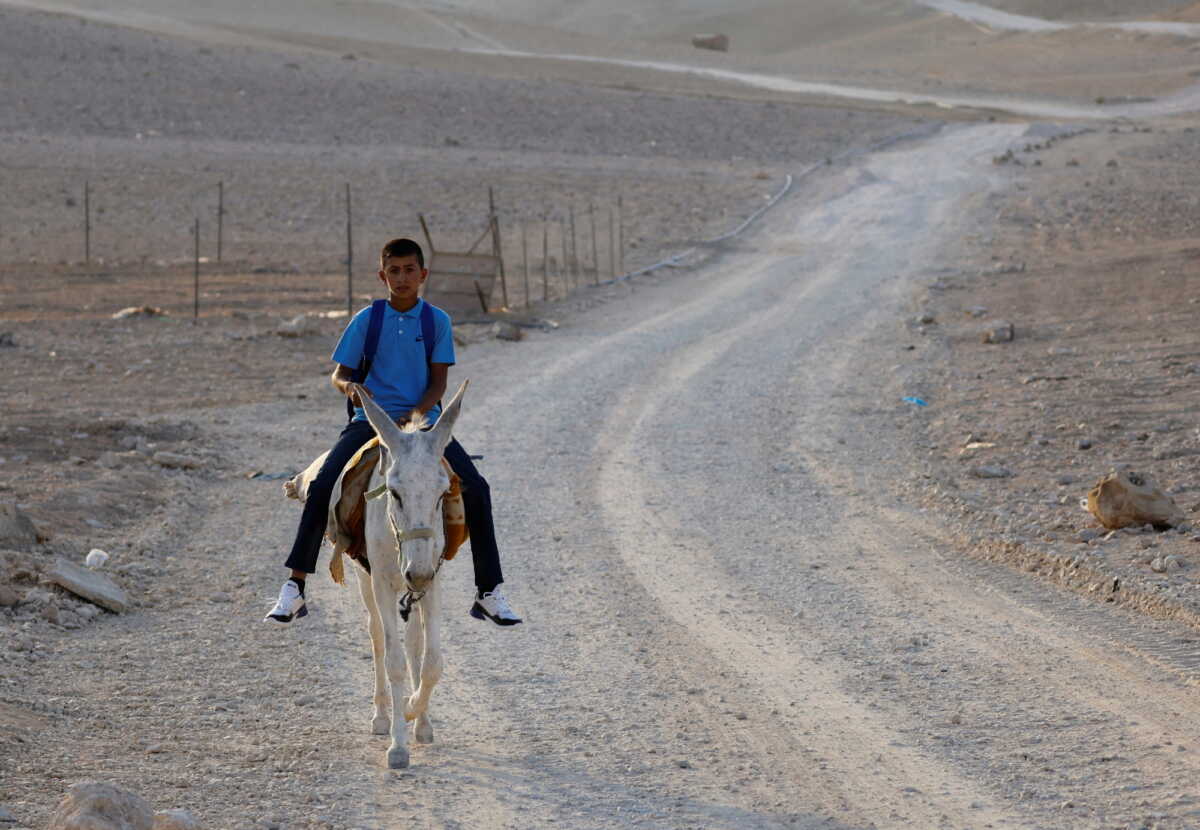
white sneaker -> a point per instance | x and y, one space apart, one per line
493 606
289 606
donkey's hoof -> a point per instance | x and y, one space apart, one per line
423 731
381 725
398 758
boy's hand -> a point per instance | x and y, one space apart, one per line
352 390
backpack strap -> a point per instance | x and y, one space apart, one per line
427 332
370 346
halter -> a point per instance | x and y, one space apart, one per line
410 598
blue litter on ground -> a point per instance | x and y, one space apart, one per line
917 401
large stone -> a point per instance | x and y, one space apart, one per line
92 586
715 42
1126 498
1000 331
94 805
17 532
175 820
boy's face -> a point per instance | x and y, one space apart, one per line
403 277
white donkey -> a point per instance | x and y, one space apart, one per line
404 545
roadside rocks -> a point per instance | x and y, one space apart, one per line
90 585
17 530
96 805
301 325
714 42
991 471
1124 498
1000 331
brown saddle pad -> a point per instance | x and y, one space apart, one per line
348 508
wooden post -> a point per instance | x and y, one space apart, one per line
574 249
621 233
87 223
562 266
499 254
545 260
428 239
196 271
595 249
349 256
612 242
525 260
220 216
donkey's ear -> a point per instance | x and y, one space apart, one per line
445 423
385 428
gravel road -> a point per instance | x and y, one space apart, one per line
734 618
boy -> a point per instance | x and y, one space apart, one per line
408 386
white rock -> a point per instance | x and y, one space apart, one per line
299 326
95 558
93 805
175 820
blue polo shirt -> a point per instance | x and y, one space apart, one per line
399 375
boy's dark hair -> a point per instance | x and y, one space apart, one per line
402 247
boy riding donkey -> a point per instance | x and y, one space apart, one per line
407 379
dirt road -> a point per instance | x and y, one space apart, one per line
734 618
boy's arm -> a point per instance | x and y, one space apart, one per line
343 380
434 392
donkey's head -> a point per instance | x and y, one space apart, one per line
415 482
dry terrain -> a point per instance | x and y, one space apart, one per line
761 589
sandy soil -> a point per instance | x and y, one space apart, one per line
761 590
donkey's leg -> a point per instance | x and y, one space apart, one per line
393 637
381 722
431 663
414 647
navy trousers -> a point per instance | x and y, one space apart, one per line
477 502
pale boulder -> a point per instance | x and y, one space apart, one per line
94 805
1126 498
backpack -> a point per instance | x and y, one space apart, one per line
374 328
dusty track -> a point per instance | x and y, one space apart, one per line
733 618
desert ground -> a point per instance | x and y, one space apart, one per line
739 499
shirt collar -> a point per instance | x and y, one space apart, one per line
415 311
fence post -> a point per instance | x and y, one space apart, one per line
574 249
87 223
562 266
621 232
220 216
525 259
595 249
612 242
196 271
499 254
349 255
545 259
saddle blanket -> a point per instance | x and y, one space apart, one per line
347 508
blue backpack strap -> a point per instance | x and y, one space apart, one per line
370 346
428 332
